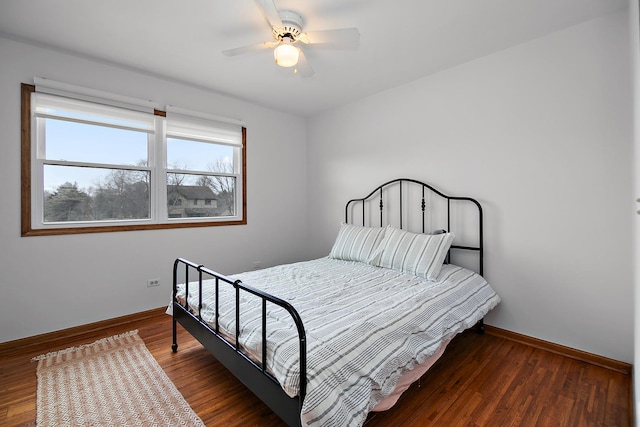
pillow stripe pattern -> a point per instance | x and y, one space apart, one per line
419 254
356 243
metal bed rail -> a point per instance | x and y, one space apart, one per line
186 317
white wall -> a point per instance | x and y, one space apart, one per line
541 135
54 282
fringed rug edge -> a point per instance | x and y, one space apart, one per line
80 347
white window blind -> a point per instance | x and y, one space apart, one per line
196 128
58 107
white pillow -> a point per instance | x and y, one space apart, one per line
357 243
419 254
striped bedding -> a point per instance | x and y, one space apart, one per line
365 326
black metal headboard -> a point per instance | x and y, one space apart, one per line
412 201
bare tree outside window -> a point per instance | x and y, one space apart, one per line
223 186
122 194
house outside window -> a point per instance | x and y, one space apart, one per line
186 193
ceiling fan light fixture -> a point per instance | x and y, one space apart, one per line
286 54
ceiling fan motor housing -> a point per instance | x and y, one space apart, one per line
291 25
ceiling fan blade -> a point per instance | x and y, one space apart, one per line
249 49
302 68
343 38
270 12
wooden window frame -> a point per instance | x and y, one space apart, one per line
26 187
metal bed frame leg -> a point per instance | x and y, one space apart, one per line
480 326
174 346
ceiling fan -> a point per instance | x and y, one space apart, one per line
290 42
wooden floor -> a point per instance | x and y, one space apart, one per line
481 380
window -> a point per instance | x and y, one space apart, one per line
91 166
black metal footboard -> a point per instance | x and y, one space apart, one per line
253 374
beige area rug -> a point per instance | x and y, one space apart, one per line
112 382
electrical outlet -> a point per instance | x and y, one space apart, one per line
153 282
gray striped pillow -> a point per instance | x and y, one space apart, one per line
419 254
357 243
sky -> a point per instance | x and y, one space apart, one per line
79 142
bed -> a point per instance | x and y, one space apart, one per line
326 341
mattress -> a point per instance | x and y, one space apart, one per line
366 326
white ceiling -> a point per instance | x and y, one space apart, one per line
400 40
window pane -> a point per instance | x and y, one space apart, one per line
191 196
94 194
199 156
80 142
